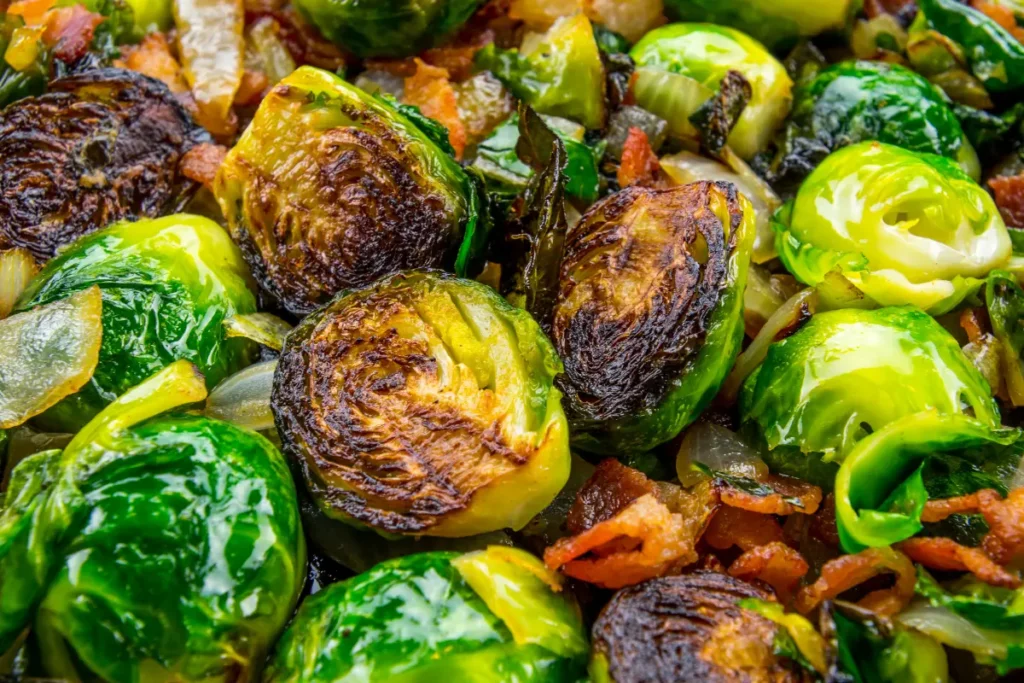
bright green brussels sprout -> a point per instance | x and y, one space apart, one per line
490 616
776 23
559 73
423 405
852 102
168 284
706 53
154 547
330 188
649 314
1004 301
903 227
848 373
387 28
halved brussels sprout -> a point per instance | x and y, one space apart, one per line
387 28
167 285
848 373
903 227
98 147
853 102
330 188
706 53
490 615
154 547
423 405
649 315
776 23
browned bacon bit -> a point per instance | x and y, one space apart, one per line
202 162
430 90
787 489
1005 518
945 554
846 572
1009 194
742 528
610 488
152 57
974 323
639 165
778 565
823 523
251 88
70 31
1003 16
940 508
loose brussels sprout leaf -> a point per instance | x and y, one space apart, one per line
152 15
435 377
559 74
880 489
168 284
244 398
387 28
25 67
330 188
263 328
1003 648
1004 300
647 345
903 227
706 53
776 23
994 54
982 604
49 352
808 642
417 618
853 102
848 373
98 147
991 134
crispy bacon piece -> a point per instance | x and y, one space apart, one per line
611 487
1003 16
251 89
778 565
940 508
202 162
845 572
747 530
809 497
1005 518
639 165
945 554
1009 194
823 523
33 12
69 30
152 57
430 90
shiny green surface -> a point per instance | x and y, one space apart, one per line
705 53
167 285
987 606
903 227
848 373
874 654
416 618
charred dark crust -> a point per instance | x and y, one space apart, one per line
666 630
100 146
619 362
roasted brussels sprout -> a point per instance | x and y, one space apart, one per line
853 102
387 28
776 23
903 227
423 405
100 146
168 284
689 628
705 54
648 318
330 188
491 615
848 373
154 547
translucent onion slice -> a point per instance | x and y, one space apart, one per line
262 328
48 353
720 450
212 49
953 630
671 96
244 397
17 267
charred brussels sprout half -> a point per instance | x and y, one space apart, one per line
849 373
100 146
649 314
167 284
154 547
688 629
388 28
492 615
903 227
330 188
705 54
853 102
423 405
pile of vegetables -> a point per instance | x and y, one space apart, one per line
512 340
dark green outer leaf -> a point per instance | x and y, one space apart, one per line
716 118
987 606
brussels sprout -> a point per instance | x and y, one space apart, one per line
1004 301
168 284
560 73
903 227
423 405
154 547
387 28
98 147
330 188
491 615
848 373
705 54
649 314
852 102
